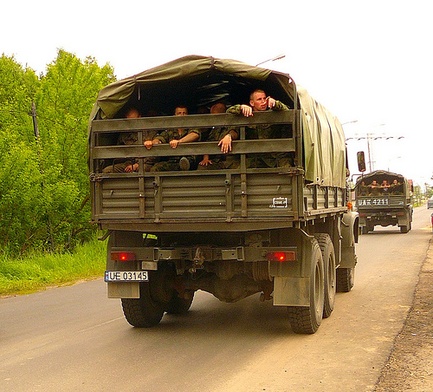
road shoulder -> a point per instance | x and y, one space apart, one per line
410 364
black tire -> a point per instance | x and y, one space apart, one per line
364 230
178 305
404 229
345 279
144 311
328 255
307 319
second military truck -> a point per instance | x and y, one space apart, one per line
384 199
283 232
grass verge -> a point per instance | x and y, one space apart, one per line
39 271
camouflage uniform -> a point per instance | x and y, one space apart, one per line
151 161
119 165
266 131
221 161
172 163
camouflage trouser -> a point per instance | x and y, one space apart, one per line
253 161
121 166
269 160
165 166
117 167
230 162
171 164
286 161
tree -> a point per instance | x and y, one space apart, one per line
44 185
18 195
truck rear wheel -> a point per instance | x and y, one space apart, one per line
307 319
328 255
345 279
178 305
144 311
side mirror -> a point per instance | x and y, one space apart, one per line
361 161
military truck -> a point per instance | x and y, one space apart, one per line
383 198
283 233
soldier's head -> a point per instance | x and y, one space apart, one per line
218 107
133 113
258 100
181 110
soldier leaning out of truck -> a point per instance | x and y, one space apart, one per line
174 137
260 102
374 189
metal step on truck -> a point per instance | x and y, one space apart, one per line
282 231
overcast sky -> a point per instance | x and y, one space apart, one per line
369 62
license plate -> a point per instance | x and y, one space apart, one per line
126 276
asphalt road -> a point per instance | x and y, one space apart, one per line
75 339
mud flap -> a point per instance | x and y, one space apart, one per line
349 233
291 291
123 290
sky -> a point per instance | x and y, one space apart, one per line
369 62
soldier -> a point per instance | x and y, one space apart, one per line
375 188
125 165
175 137
396 187
385 186
260 102
363 189
224 138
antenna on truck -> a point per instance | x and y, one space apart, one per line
279 57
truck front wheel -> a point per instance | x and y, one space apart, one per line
306 320
143 311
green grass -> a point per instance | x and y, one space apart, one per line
39 271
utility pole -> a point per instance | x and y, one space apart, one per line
35 120
369 137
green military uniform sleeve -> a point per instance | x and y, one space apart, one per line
217 133
163 137
127 138
280 106
235 109
173 134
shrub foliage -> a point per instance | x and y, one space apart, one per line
44 186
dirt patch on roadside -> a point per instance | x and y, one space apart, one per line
410 365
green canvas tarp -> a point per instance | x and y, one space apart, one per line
199 81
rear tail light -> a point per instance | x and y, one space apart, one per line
123 256
281 256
